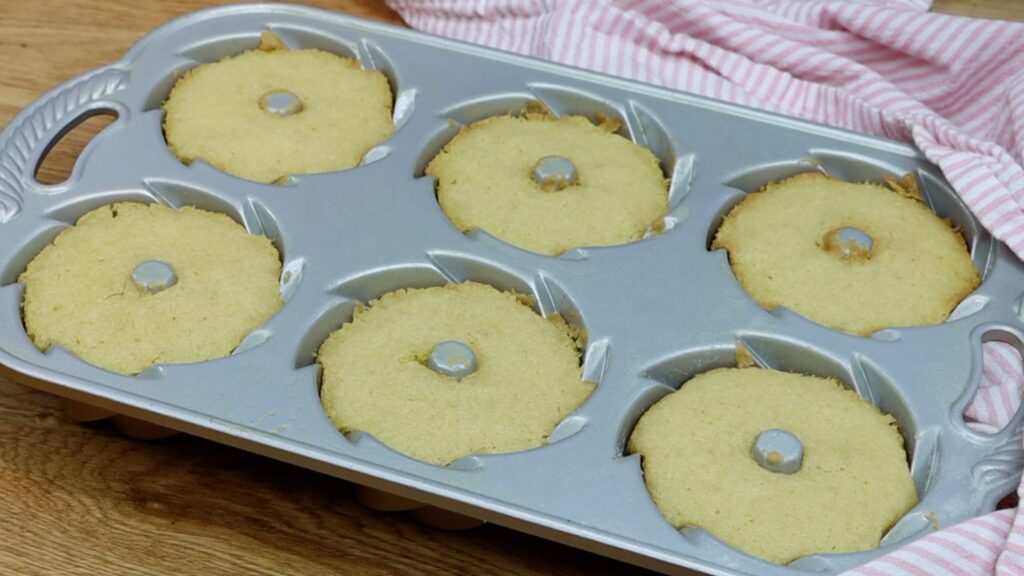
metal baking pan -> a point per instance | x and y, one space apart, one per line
657 311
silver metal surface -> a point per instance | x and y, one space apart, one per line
655 312
554 173
778 451
849 242
154 276
452 358
281 103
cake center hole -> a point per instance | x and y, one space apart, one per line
778 451
453 359
849 243
154 276
281 103
554 173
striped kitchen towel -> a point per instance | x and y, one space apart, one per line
952 86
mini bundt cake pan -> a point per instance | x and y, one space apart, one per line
655 312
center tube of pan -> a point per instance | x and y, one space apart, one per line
554 173
778 451
453 359
849 242
281 103
154 276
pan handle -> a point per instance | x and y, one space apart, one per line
31 134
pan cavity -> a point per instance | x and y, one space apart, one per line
265 106
838 227
130 249
451 360
546 170
774 443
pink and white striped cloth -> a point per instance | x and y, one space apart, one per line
952 86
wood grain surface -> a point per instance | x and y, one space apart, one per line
83 499
1001 9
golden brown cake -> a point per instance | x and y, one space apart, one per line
376 376
220 112
485 180
786 248
696 443
80 292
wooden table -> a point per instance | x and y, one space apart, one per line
83 499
